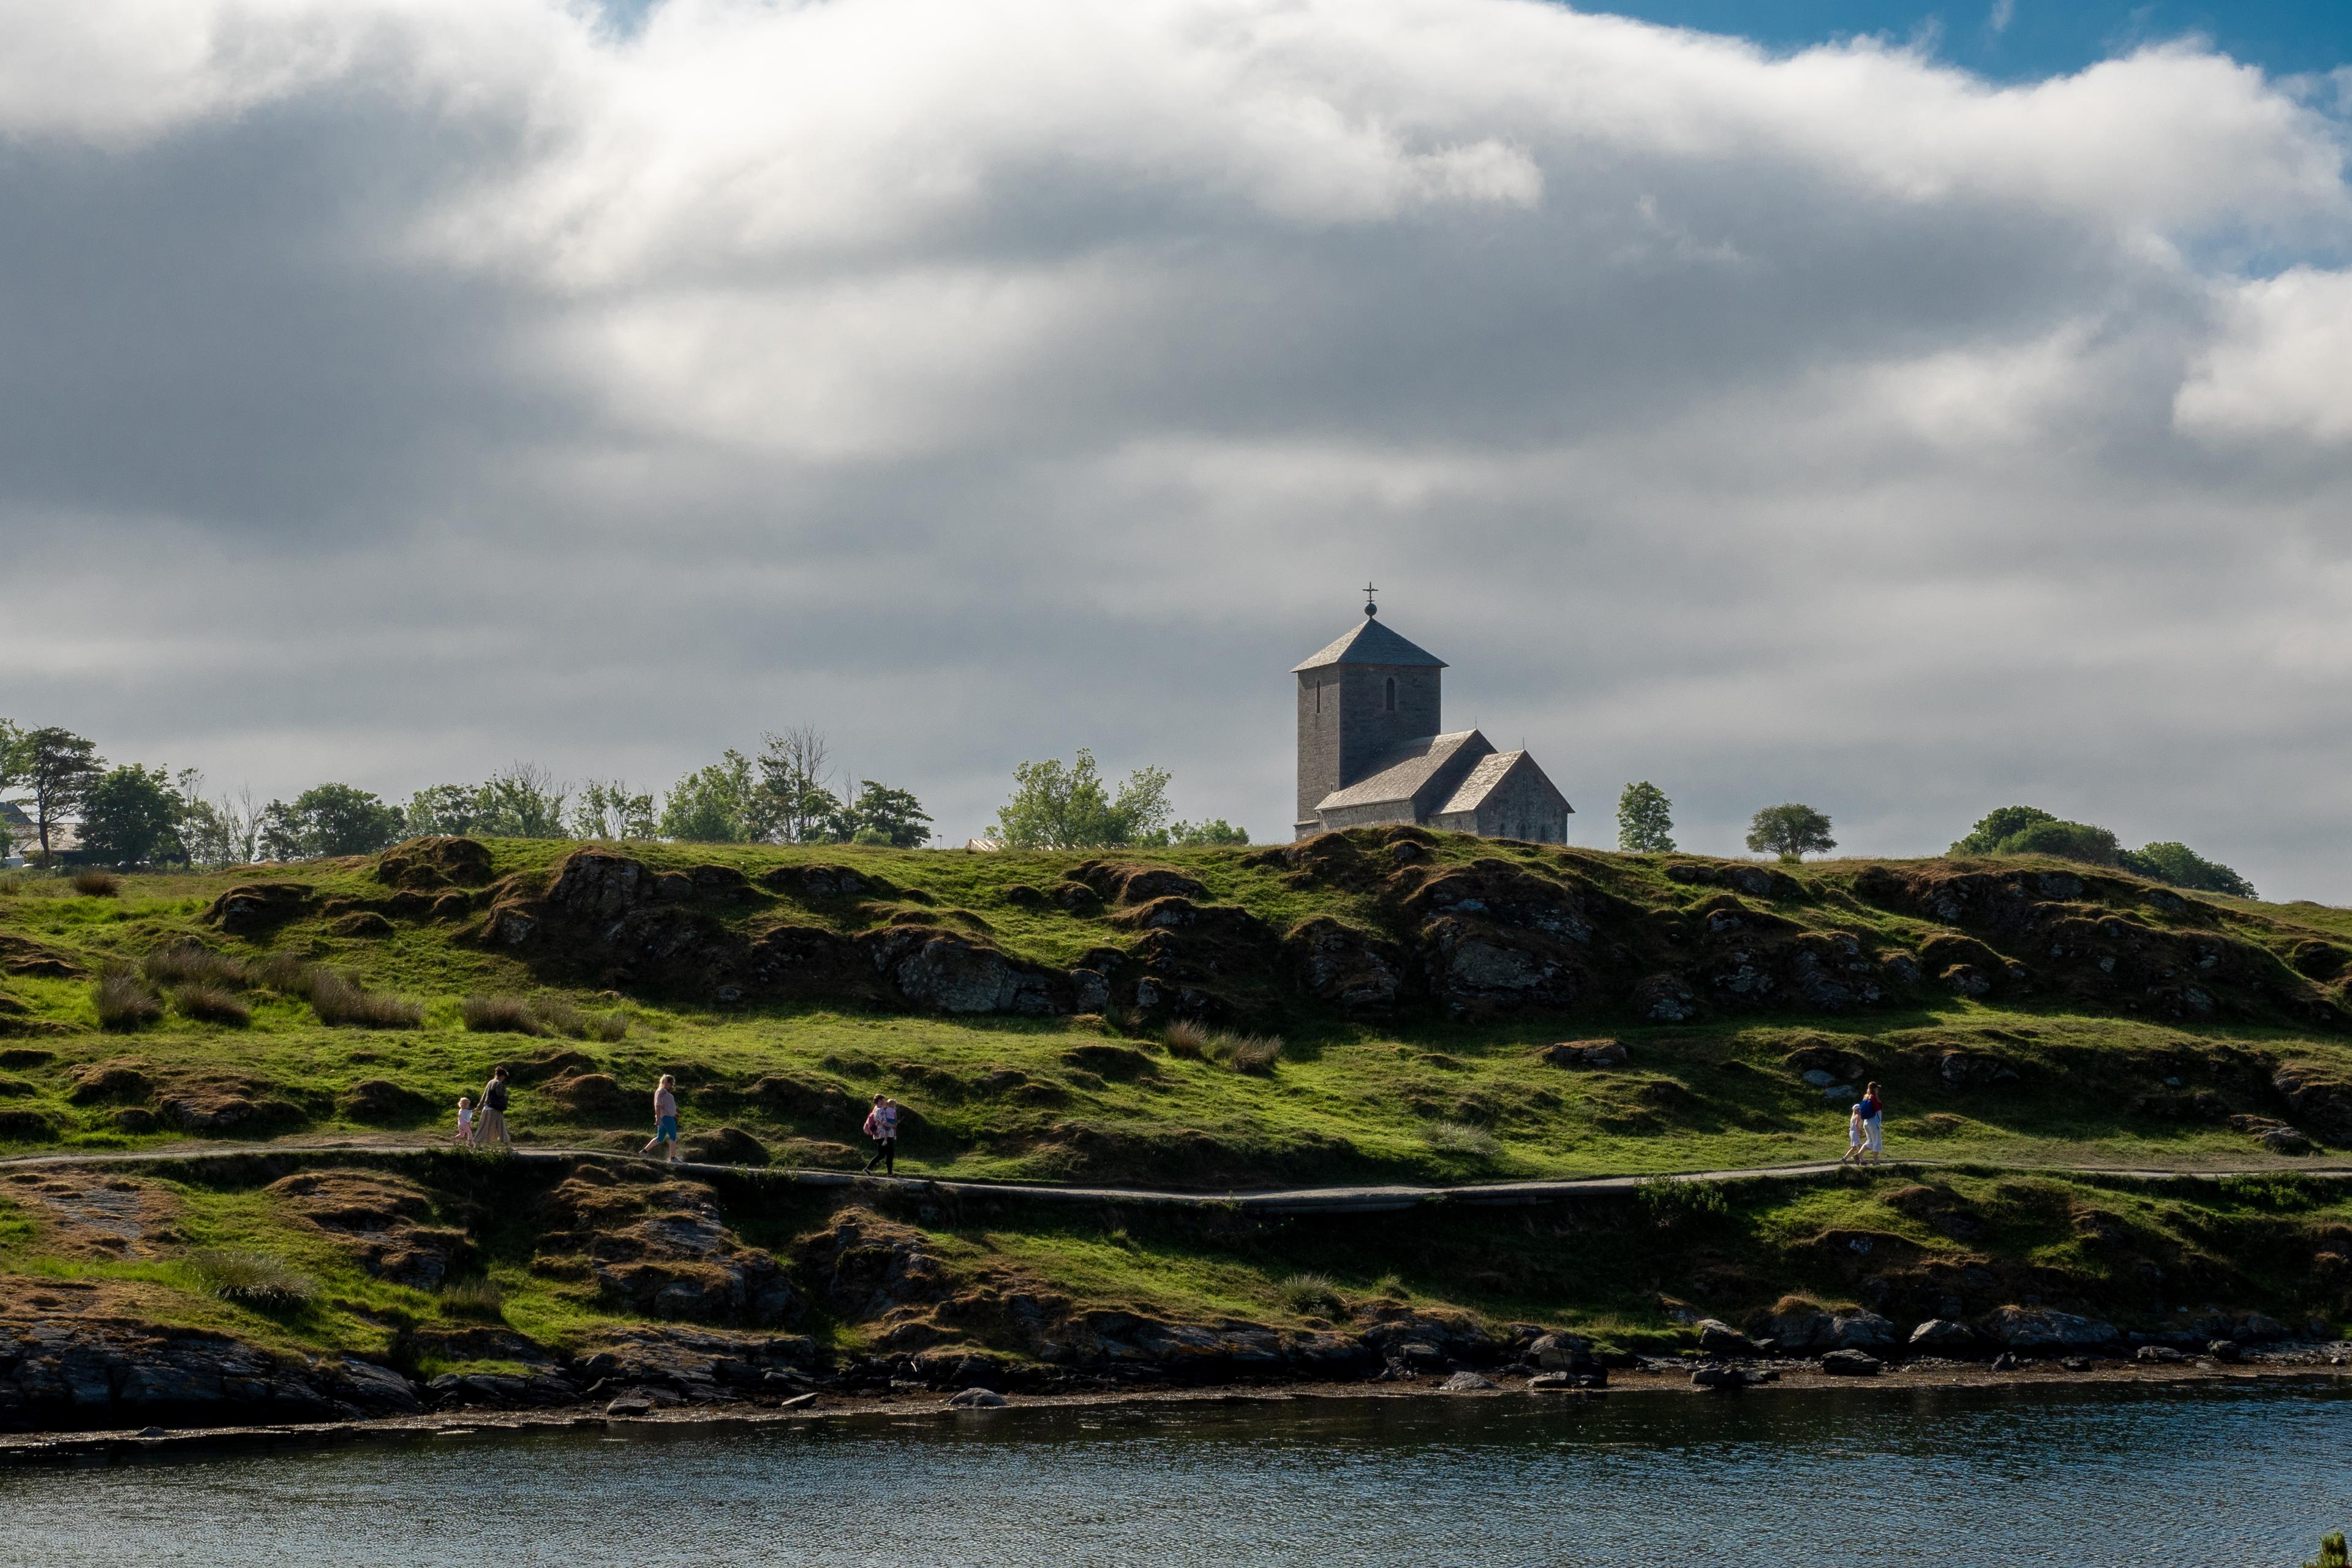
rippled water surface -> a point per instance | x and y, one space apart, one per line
2228 1477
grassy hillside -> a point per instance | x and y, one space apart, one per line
1060 1018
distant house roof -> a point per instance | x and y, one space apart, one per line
1488 776
1371 643
12 818
1404 773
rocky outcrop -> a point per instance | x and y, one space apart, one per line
63 1372
2322 1102
257 907
2040 1328
429 864
385 1222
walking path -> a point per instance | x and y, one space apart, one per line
1290 1201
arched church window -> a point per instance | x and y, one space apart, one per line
1391 694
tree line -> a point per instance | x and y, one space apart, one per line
133 814
788 792
1645 824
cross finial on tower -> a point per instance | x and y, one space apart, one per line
1370 608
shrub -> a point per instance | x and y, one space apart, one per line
212 1005
472 1299
95 884
341 1001
498 1016
1671 1202
253 1279
191 964
1311 1296
1461 1138
2332 1552
124 1001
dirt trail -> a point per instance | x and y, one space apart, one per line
1368 1199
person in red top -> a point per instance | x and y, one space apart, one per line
1872 1128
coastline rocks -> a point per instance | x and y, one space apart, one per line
2022 1328
972 1399
2163 1355
1808 1330
1720 1339
1467 1382
68 1373
1942 1333
1852 1363
1719 1377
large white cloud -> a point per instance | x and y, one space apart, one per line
391 389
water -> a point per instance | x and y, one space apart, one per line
2228 1477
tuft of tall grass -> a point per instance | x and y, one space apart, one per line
1195 1041
1190 1041
11 885
253 1279
1461 1138
211 1005
1311 1296
284 974
479 1299
192 963
1391 1288
498 1016
96 884
341 1001
123 1000
1672 1202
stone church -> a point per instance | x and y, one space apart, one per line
1372 750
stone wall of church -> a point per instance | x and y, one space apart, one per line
1521 809
1345 722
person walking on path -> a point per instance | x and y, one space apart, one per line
665 1118
1874 1111
1856 1135
882 1126
466 1120
494 1111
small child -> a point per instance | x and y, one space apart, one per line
1853 1135
465 1121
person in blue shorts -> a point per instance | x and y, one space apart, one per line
665 1118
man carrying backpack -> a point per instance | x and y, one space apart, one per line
494 1109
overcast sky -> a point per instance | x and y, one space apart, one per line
391 389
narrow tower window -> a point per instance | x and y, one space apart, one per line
1390 695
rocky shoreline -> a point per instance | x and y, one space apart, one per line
2306 1365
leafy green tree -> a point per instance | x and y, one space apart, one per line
606 809
61 768
330 819
794 804
450 810
521 800
1645 819
2183 867
2332 1554
880 815
715 804
1065 805
1215 831
132 817
2067 840
12 743
1790 831
1986 837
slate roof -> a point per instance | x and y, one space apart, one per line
1488 776
1404 773
1371 643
